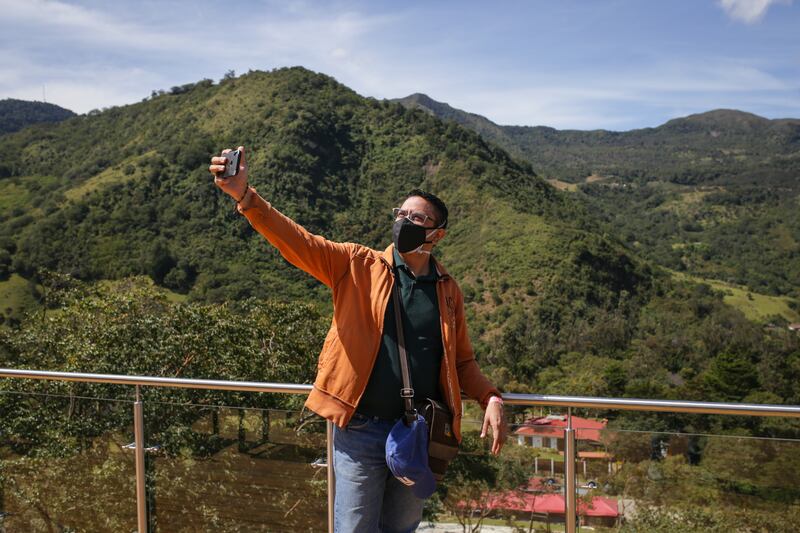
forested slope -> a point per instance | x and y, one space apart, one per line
555 302
559 299
714 194
17 114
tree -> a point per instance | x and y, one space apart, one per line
476 478
129 327
730 377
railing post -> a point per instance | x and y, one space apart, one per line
138 437
569 475
331 476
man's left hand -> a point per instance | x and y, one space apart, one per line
493 418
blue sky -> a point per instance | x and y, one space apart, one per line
616 64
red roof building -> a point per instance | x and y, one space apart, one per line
600 507
548 431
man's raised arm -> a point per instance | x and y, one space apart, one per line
325 260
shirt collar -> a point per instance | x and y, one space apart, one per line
388 258
432 275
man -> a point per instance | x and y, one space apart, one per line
358 375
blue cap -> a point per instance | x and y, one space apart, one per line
407 456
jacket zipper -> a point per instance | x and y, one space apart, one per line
448 376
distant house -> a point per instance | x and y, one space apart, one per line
794 327
548 432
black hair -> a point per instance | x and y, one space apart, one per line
437 202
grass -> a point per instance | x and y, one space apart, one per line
783 239
755 306
174 297
16 297
563 185
684 245
12 195
16 192
107 177
687 201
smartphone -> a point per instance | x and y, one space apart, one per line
232 163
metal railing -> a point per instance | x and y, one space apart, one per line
569 402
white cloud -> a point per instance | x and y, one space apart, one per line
94 88
619 99
79 96
74 24
94 55
748 11
119 58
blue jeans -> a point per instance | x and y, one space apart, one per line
368 497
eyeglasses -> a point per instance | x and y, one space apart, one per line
417 217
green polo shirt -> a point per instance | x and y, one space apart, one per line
423 336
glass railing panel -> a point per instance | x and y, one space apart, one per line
223 469
667 482
520 489
64 464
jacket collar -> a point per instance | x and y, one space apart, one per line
387 256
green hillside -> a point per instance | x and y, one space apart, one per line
755 306
714 194
741 235
555 301
18 297
17 114
126 192
718 147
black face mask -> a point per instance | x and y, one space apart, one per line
408 236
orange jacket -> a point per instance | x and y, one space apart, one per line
361 280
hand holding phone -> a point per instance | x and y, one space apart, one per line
230 172
232 164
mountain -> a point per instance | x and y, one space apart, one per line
713 194
554 301
17 114
485 127
718 147
126 191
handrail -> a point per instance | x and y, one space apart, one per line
627 404
151 381
570 402
669 406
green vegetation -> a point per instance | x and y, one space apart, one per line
561 288
17 114
745 236
713 194
720 146
19 296
738 485
126 192
756 307
132 327
59 431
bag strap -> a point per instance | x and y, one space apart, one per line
407 392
